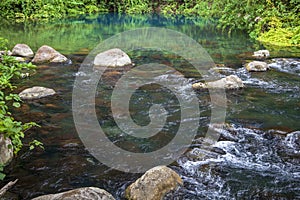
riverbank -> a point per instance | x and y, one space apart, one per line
265 21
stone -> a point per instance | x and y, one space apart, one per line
6 150
36 92
262 54
48 54
154 184
85 193
112 58
9 53
229 82
20 59
22 50
257 66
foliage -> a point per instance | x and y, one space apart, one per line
11 69
48 9
2 176
281 36
252 16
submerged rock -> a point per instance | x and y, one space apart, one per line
86 193
6 150
48 54
257 66
112 58
262 54
22 50
36 93
154 184
229 82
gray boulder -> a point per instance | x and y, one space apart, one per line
36 92
86 193
257 66
112 58
6 153
48 54
261 54
154 184
229 82
22 50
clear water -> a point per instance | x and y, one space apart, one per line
257 156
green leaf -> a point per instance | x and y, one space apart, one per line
2 176
16 104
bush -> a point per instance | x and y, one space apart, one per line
11 69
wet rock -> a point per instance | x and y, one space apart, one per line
261 54
86 193
229 82
257 66
48 54
6 153
288 65
36 92
112 58
22 50
154 184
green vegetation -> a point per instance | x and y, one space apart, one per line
11 69
271 21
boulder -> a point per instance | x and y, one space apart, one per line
6 150
261 54
85 193
257 66
48 54
36 92
229 82
154 184
22 50
112 58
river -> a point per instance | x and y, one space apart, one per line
256 157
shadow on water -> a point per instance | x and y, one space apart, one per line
257 156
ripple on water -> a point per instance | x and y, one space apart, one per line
267 165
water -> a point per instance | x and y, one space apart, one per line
256 157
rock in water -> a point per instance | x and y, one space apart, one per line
6 150
36 93
112 58
229 82
257 66
86 193
154 184
48 54
262 54
22 50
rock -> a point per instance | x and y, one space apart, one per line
5 53
262 54
112 58
20 59
22 50
229 82
257 66
48 54
86 193
154 184
6 153
36 93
